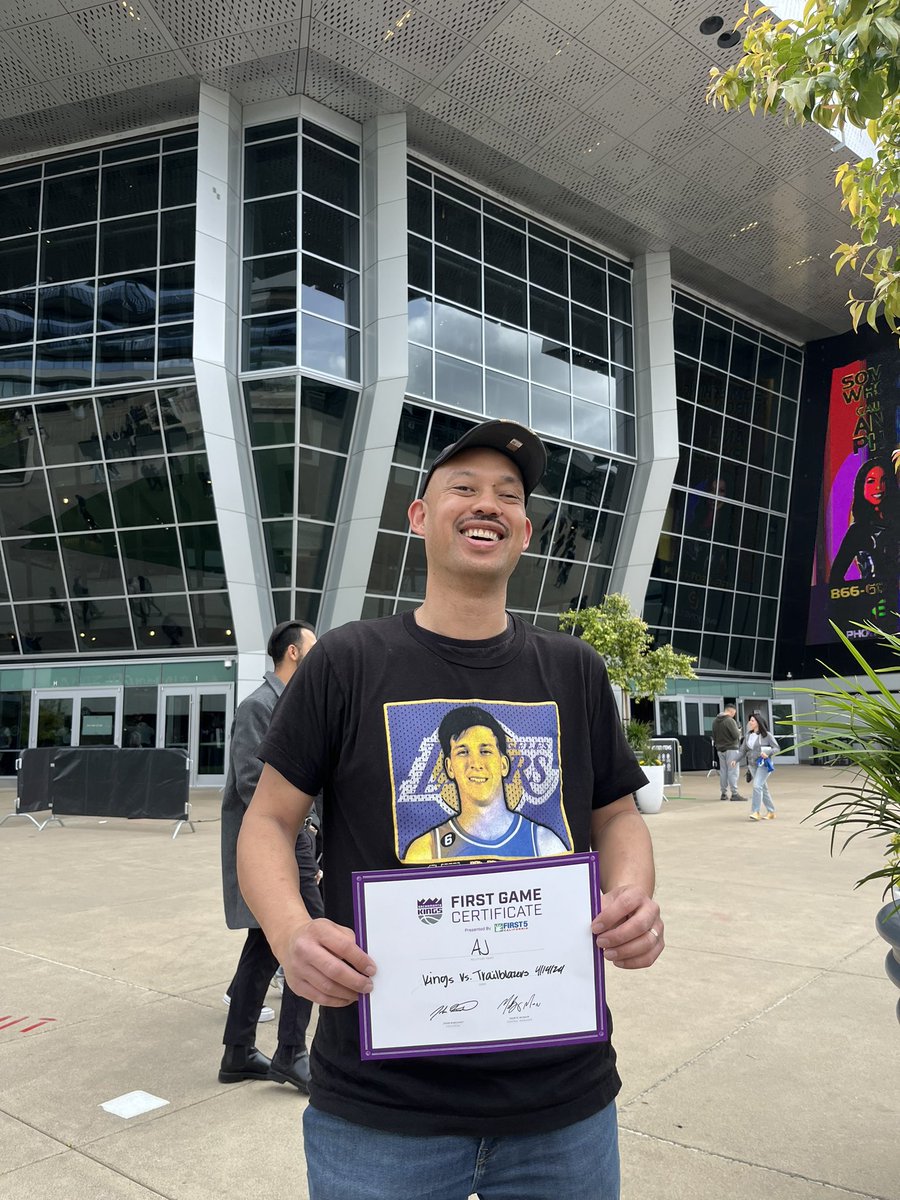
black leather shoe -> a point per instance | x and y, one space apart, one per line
739 799
291 1068
243 1062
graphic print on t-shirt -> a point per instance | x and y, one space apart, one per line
476 779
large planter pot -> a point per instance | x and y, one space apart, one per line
887 923
650 797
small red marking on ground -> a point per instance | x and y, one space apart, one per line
8 1022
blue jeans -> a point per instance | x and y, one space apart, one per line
345 1161
728 771
761 791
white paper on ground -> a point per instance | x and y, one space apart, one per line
132 1104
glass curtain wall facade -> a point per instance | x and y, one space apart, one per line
300 318
508 318
717 572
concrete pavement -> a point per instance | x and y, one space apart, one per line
760 1056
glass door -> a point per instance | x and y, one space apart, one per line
197 719
782 712
87 717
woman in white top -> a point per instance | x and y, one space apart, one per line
757 747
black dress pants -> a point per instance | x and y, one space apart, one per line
255 969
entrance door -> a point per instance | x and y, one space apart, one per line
88 717
782 712
197 719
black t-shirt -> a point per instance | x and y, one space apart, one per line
360 722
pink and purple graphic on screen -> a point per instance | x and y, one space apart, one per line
855 569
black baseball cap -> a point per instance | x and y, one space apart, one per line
519 443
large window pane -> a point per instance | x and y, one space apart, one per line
126 358
91 563
313 544
18 262
329 348
270 168
321 476
203 559
329 233
330 176
457 226
457 278
458 384
384 574
180 414
270 283
129 425
176 242
129 188
17 317
24 504
80 498
179 179
151 560
69 432
280 548
101 625
140 492
330 291
122 303
45 628
212 619
326 415
128 245
34 569
271 407
64 310
174 351
192 486
69 254
69 200
166 627
457 331
275 481
176 293
270 342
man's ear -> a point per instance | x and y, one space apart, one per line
416 515
527 534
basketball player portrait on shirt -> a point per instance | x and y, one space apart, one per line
475 757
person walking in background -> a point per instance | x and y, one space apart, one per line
757 750
726 736
288 645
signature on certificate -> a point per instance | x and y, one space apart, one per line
461 1006
513 1004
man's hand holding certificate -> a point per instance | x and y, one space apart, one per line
478 959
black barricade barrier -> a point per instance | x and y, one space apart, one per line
33 779
106 781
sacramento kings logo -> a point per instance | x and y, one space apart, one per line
430 911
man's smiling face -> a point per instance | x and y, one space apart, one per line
476 766
472 515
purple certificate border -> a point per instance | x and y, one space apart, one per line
598 1033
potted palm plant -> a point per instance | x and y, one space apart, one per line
640 738
859 721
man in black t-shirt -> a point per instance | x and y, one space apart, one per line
361 721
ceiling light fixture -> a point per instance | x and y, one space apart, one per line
397 26
727 40
711 25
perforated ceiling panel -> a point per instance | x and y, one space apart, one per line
591 112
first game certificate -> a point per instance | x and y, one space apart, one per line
478 959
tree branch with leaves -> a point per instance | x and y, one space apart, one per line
838 65
623 638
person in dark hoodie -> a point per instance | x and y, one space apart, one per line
726 734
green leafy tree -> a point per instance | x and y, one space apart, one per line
624 640
838 65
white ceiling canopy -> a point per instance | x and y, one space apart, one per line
591 112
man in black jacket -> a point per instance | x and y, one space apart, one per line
288 645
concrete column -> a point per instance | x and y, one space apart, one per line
657 427
216 348
385 363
